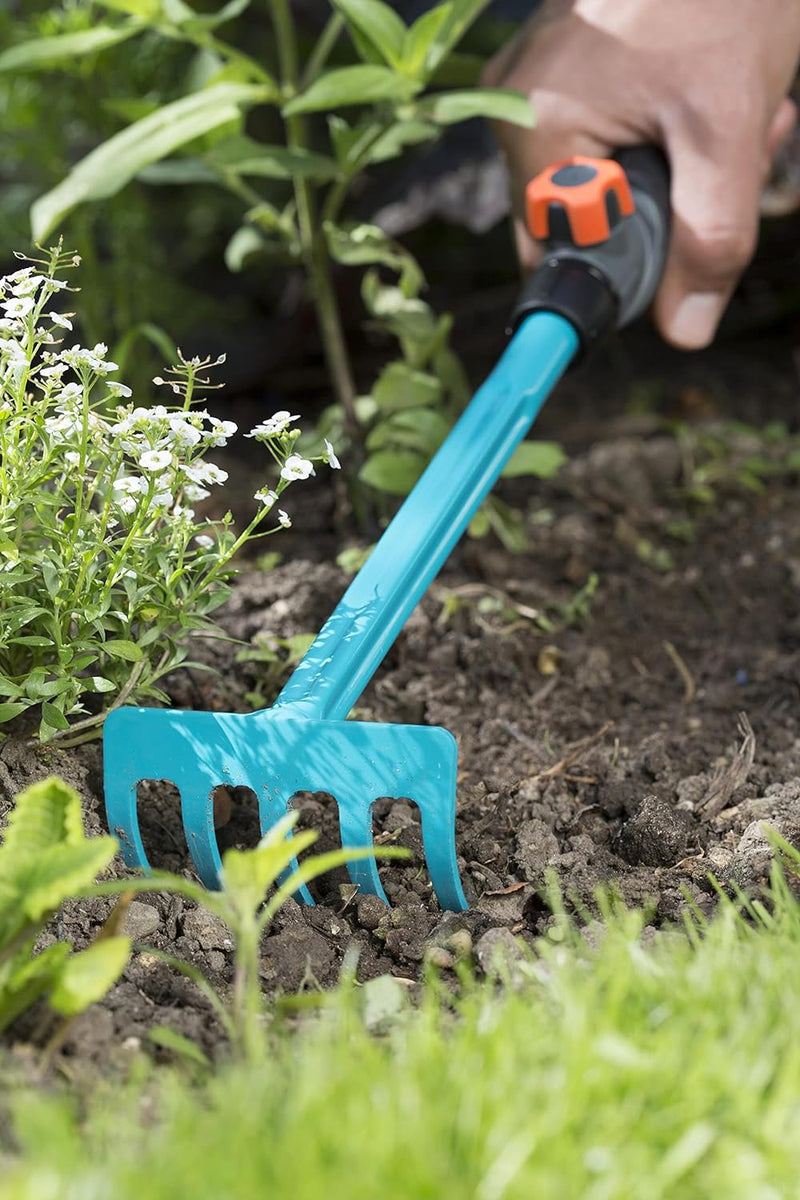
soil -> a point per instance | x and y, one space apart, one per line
624 694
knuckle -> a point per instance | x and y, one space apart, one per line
723 248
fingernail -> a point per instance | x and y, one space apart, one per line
695 320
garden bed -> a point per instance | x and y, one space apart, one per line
606 749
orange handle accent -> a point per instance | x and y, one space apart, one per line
592 193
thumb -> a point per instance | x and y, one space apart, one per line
715 198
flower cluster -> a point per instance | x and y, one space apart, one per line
106 569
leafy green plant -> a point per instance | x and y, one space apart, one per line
247 877
105 569
731 455
45 859
295 191
270 660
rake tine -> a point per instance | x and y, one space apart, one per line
439 842
355 825
197 814
123 822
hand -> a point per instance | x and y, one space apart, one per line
707 81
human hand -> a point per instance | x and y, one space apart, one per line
706 81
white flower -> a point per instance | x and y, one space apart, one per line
61 319
55 371
220 432
179 512
297 467
285 519
67 394
78 356
155 460
18 307
266 496
126 504
194 492
184 433
162 500
204 541
330 456
28 286
276 424
118 389
130 484
72 457
202 472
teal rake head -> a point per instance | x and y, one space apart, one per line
304 743
278 756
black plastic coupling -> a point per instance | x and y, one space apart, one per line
575 290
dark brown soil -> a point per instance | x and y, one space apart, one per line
625 697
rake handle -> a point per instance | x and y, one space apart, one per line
354 640
601 269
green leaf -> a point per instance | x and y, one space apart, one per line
498 104
96 683
53 717
508 524
462 14
420 41
422 429
121 648
400 386
480 524
542 459
393 471
177 172
177 12
248 157
248 874
43 53
30 981
357 245
9 711
44 815
181 1046
244 243
147 9
87 976
366 83
44 880
234 8
398 136
380 25
106 170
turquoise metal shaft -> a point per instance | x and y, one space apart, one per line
354 640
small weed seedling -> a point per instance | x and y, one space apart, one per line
245 907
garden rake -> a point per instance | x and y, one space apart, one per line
604 225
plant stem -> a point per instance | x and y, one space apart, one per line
247 992
312 238
322 50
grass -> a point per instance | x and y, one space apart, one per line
628 1069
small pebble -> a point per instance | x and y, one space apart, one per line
141 920
437 956
369 912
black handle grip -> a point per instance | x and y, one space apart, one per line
607 283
